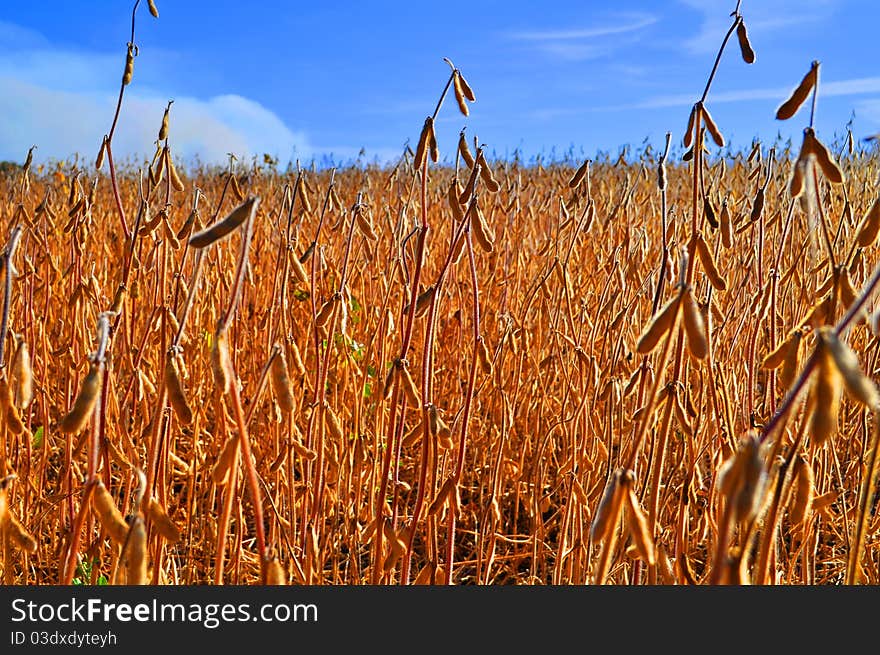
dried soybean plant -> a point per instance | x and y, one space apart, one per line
622 369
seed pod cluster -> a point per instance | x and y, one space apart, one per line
408 385
813 150
681 416
466 89
483 355
236 188
848 296
225 460
439 429
300 191
163 129
162 522
111 518
79 415
776 357
726 225
581 173
827 392
99 160
694 326
463 92
830 168
10 526
742 479
691 127
448 494
486 173
637 523
334 425
870 226
226 226
29 159
465 151
21 374
364 225
176 392
281 380
275 574
299 271
608 510
136 560
709 212
423 301
129 65
295 357
858 385
173 176
661 323
480 229
4 499
427 145
326 310
745 47
221 362
714 132
18 533
661 176
757 206
804 490
452 197
708 262
802 91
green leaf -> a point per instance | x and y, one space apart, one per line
368 390
371 371
301 294
357 350
38 437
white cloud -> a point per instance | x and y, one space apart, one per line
630 23
63 101
850 87
575 51
14 36
761 18
856 86
579 44
869 110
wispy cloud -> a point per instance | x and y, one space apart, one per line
575 51
578 44
630 23
856 86
851 87
63 101
762 19
869 110
14 36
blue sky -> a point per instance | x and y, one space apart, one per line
325 80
